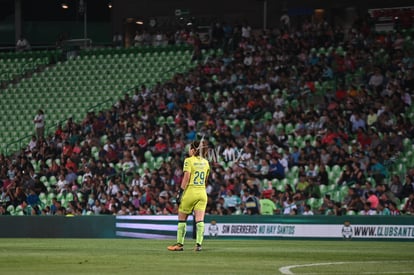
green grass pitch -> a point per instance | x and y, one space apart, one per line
137 256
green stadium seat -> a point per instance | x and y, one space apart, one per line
19 211
11 209
43 199
69 197
351 213
289 128
50 197
314 203
323 189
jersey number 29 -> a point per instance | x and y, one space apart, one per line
198 178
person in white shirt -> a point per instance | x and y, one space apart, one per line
367 211
32 144
248 59
288 206
279 114
138 39
376 80
39 121
246 30
61 183
88 173
137 180
285 21
112 188
158 39
22 44
307 211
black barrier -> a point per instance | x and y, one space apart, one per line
57 227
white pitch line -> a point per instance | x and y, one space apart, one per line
389 272
287 269
361 273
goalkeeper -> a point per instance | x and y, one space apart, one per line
192 195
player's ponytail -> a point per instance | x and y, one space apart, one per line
200 147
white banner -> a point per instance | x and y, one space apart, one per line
346 230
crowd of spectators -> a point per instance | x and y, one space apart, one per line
281 108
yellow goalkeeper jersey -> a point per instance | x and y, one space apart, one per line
199 169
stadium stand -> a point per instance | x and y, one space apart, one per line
96 78
134 111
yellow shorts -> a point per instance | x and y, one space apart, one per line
193 199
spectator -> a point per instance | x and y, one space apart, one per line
396 186
117 40
345 177
368 210
39 121
356 205
232 202
252 203
377 170
138 39
327 205
394 211
289 205
383 210
307 210
358 123
322 178
408 187
32 199
276 169
357 175
376 80
246 30
409 205
160 147
32 144
22 44
303 185
372 200
285 21
267 206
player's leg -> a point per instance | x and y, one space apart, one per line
181 230
184 210
199 219
182 227
199 213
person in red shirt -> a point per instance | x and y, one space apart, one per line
142 142
111 156
77 148
98 126
329 137
341 94
67 150
363 138
160 147
209 122
349 63
251 104
339 64
394 211
70 164
59 131
373 199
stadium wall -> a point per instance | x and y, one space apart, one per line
48 32
57 227
164 227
